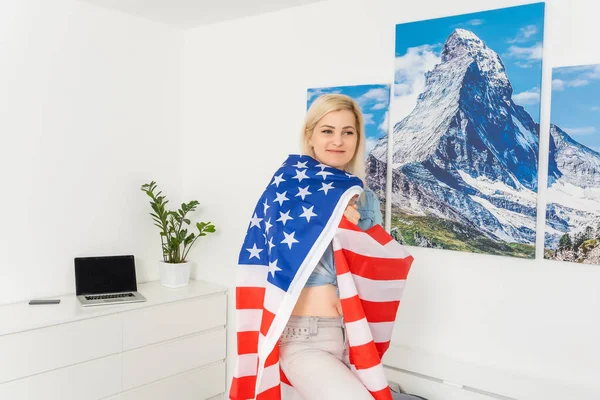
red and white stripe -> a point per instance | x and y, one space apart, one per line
371 268
371 271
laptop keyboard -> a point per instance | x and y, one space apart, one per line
109 296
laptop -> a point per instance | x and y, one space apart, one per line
106 280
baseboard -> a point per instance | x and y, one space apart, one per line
459 380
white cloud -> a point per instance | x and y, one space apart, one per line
524 34
583 71
583 75
586 130
379 96
368 119
527 97
475 22
383 127
526 53
314 93
409 79
594 108
560 84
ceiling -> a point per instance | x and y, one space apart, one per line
190 13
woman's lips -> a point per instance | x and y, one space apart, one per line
336 151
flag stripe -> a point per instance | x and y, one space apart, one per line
352 309
360 243
248 320
381 311
344 280
247 342
251 275
267 320
246 365
382 331
375 291
364 356
357 334
387 268
243 388
249 298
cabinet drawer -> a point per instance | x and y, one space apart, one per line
198 384
90 380
148 364
155 324
58 346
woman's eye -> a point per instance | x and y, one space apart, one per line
327 131
349 133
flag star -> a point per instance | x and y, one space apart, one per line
300 174
266 206
273 268
255 221
308 213
289 239
350 175
300 164
322 166
255 252
284 217
271 245
326 187
281 198
268 225
303 192
278 179
324 174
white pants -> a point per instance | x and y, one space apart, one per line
313 354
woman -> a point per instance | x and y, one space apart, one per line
313 346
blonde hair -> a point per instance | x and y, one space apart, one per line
325 104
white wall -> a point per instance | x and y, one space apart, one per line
88 113
244 93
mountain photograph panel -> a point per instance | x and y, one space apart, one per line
374 101
573 198
464 121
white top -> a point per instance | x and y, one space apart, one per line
18 317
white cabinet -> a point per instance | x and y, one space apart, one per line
174 344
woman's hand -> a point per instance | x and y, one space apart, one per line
351 213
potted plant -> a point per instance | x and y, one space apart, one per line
175 240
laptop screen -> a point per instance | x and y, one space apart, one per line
109 274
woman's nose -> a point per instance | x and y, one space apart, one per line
337 140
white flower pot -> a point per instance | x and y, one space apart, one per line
174 275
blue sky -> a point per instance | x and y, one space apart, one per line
515 33
374 102
576 103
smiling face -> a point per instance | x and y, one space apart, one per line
334 138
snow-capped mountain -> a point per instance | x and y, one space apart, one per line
574 188
467 152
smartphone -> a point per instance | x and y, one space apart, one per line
48 301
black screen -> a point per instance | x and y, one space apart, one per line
110 274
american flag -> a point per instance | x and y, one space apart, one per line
298 215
